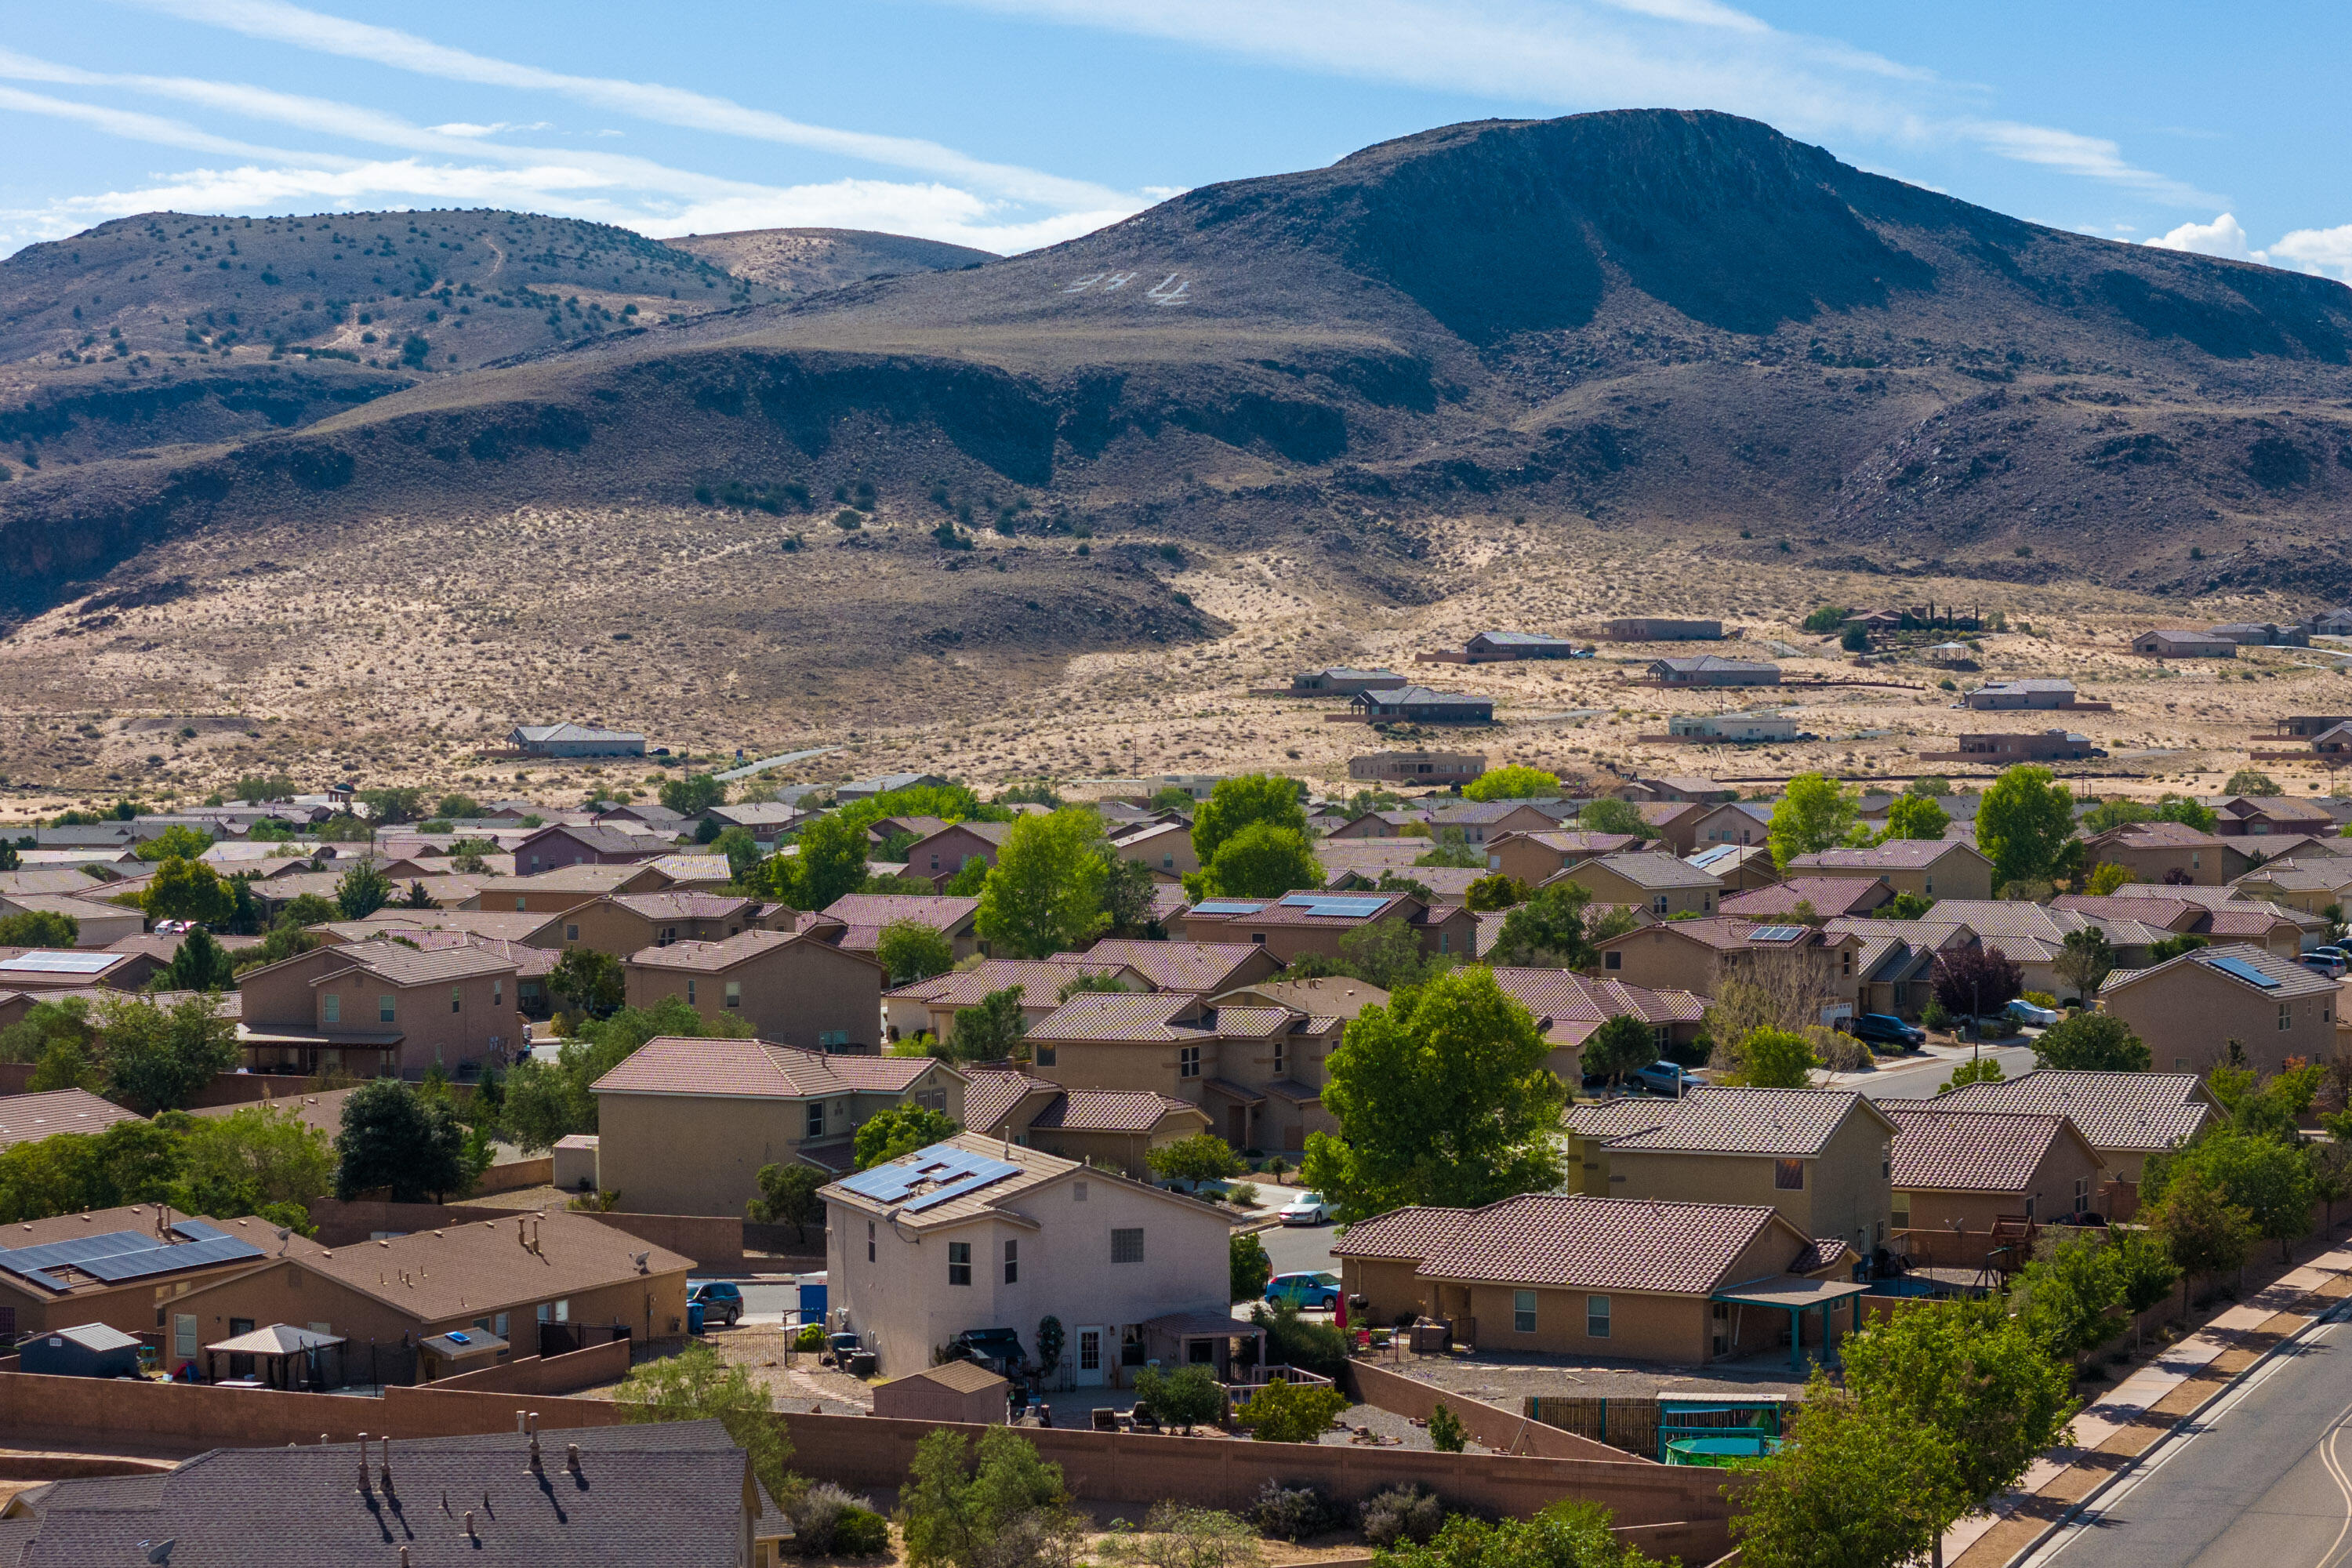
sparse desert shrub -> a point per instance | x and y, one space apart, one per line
1294 1512
1401 1513
817 1514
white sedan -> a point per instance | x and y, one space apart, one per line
1307 1208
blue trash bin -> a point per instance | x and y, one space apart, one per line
694 1316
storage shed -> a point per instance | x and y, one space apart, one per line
959 1391
89 1350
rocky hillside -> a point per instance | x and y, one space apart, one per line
801 261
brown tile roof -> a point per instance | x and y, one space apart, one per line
1257 1023
604 840
405 965
2157 836
1726 934
1121 1015
1651 868
27 1117
710 957
1581 1243
1785 1123
1408 1232
1112 1110
991 1094
1194 966
1828 895
1040 981
949 915
2124 1111
584 879
529 962
1333 995
693 867
474 1267
1566 1003
1971 1151
1574 841
956 1376
1894 855
506 925
2284 977
755 1069
683 905
1825 1252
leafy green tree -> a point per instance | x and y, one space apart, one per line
1983 1069
1250 1268
361 890
592 983
1188 1397
2266 1177
1202 1157
457 808
742 850
899 1131
695 1386
1286 1411
44 1024
968 883
1451 847
188 890
1609 816
990 1031
2144 1271
256 1157
1620 1045
395 1138
2091 1042
1915 816
400 803
259 789
39 928
1495 891
2251 780
2173 947
1547 931
1236 804
830 864
2202 1230
75 1173
2024 823
1044 894
63 1064
9 859
201 964
1008 1510
693 794
1261 862
1815 812
1908 906
1129 890
2107 876
2066 1295
1826 619
157 1058
1388 953
1853 1487
177 842
1513 784
1566 1534
913 950
1933 785
1442 1098
788 1196
308 910
1173 797
1774 1058
1446 1433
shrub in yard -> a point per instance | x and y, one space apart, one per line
1177 1536
1286 1411
809 1338
1401 1513
1445 1431
817 1516
1295 1512
861 1533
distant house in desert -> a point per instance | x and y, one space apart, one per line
1424 706
1759 725
2261 634
1708 669
2183 642
1662 628
1339 681
1417 767
2001 750
2035 693
569 739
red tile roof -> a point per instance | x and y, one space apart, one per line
755 1069
1121 1015
1895 853
24 1118
2123 1110
1971 1151
951 915
1112 1110
1828 895
1785 1122
1194 966
1577 1243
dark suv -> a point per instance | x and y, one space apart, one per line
1885 1030
722 1300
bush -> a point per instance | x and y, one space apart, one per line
1294 1340
861 1533
817 1516
1284 1412
1295 1512
1176 1536
1401 1513
1188 1397
1446 1433
1842 1052
809 1338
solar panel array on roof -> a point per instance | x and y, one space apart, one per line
1337 906
1778 933
957 1172
57 963
1228 906
2244 971
121 1255
1706 858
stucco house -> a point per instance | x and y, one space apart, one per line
795 989
381 1008
2187 1009
1967 1170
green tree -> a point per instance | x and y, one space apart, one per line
2251 780
2085 961
2106 877
1564 1535
1915 816
1388 953
695 1386
256 1157
2066 1296
990 1031
901 1130
2267 1178
2024 823
1286 1411
1983 1069
590 982
39 928
1815 812
361 890
1547 931
1446 1433
188 890
395 1138
201 964
1044 894
1620 1045
912 950
1774 1058
457 808
75 1173
1188 1397
63 1064
157 1058
1826 619
2091 1042
2202 1230
2144 1271
1129 892
545 1102
44 1024
1202 1157
1172 797
1933 784
1451 847
1442 1098
397 804
1853 1487
1261 862
177 842
1236 804
1513 784
1908 906
788 1196
1495 891
691 795
742 850
1249 1267
1008 1510
1609 816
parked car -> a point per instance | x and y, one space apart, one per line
2334 952
2327 963
1884 1029
1667 1077
1307 1208
2026 1012
1318 1289
719 1299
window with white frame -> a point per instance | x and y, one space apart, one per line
815 1120
1188 1061
1596 1317
1523 1311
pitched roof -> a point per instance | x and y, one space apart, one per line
755 1069
481 1264
2124 1111
1194 966
403 965
685 868
1729 934
1650 870
2158 835
1576 1242
679 906
568 730
1568 1007
1828 895
606 839
27 1117
583 879
1314 910
944 914
1567 840
1039 979
1894 855
1787 1122
1971 1151
1031 1168
2271 978
1112 1110
1121 1015
989 1094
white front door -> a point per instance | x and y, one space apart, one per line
1093 1348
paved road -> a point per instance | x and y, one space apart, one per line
2264 1481
1918 1080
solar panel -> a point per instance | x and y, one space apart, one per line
1228 906
944 1163
122 1254
1778 933
58 962
1336 905
2244 971
998 1170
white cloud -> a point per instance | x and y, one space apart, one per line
2223 236
2327 251
143 127
461 128
2090 157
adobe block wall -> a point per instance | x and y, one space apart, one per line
544 1375
1490 1425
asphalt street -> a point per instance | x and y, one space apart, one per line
1918 1080
2264 1482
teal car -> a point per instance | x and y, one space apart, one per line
1320 1289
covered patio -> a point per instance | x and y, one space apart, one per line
1202 1338
309 1052
1796 1295
280 1356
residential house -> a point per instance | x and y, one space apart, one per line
2124 1116
1196 968
2182 642
2225 919
1339 681
2260 816
1930 868
693 873
1674 822
1958 1170
2035 693
121 1266
2306 726
887 783
1827 896
1676 1283
1113 1127
929 1006
1409 823
1165 847
1490 648
622 923
511 1278
793 988
1315 922
1647 879
972 1233
1740 868
1323 996
2190 1009
1681 789
2329 623
1700 955
2032 936
1568 1007
1484 820
684 1124
1896 970
98 925
1420 705
650 814
1710 669
2261 634
1662 628
1417 767
564 843
28 1118
865 914
380 1008
1995 750
2166 852
1257 1071
1533 858
2313 884
565 888
1818 1156
570 740
74 968
767 821
1739 727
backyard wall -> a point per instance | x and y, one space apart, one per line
1497 1428
545 1375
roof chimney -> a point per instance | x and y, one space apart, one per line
470 1531
387 1464
363 1469
571 1458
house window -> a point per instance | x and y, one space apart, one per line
817 1120
331 1008
384 1010
2286 1015
1660 906
1523 1311
457 998
1445 941
669 935
735 993
1130 1345
1013 1263
1612 959
1902 1211
833 1041
689 993
1259 937
1188 1061
1126 1245
1788 1176
1044 1055
1277 1056
498 992
519 897
1167 862
1077 1191
184 1335
1845 962
959 1263
555 1311
2081 1194
498 1325
2029 1207
1930 883
869 1241
571 933
1596 1317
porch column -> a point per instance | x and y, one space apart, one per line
1796 1339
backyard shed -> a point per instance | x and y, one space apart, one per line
88 1350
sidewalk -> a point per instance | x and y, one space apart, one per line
2111 1433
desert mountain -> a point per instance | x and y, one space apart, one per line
800 262
1663 319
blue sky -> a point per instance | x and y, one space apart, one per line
1012 123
